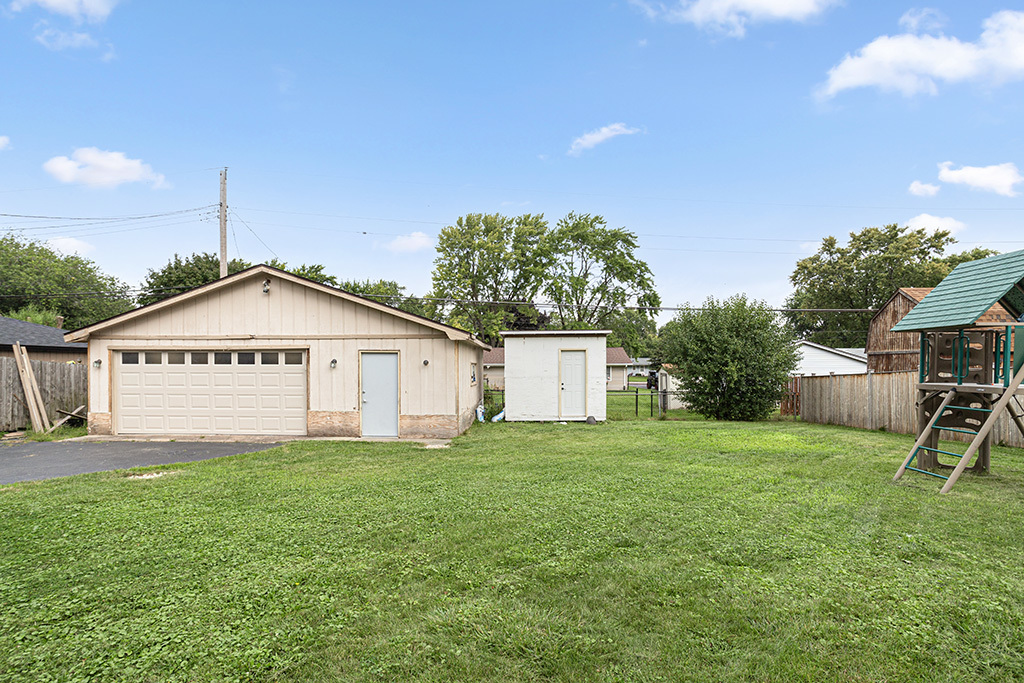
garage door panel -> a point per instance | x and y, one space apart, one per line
222 398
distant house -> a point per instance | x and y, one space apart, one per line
616 363
818 359
890 351
639 366
41 341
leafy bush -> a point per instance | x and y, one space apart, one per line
732 357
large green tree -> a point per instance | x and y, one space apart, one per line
182 274
633 330
486 260
32 274
864 274
731 357
391 293
595 273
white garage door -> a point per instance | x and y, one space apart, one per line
210 392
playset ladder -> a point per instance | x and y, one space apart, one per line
986 428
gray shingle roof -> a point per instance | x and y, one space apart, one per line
33 335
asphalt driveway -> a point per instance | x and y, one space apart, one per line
26 461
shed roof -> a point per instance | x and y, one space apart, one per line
453 333
34 335
968 293
555 333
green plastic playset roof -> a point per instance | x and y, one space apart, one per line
969 292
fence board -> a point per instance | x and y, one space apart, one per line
879 400
62 385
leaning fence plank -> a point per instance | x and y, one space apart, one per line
36 394
26 384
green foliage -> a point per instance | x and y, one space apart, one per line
182 274
391 293
33 313
635 331
865 274
486 258
314 272
595 273
630 551
732 358
34 274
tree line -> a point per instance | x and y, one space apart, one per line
491 270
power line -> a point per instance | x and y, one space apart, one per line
255 235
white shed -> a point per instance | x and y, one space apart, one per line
555 375
267 352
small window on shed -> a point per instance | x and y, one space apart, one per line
293 358
268 358
246 358
472 373
154 357
129 358
200 358
608 371
222 358
175 357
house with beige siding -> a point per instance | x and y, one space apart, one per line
267 352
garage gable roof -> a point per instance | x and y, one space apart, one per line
453 333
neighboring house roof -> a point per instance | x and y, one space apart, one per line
494 356
862 354
615 355
453 333
33 335
968 293
843 353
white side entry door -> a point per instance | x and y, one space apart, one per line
379 393
572 372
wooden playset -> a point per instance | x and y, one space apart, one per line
969 373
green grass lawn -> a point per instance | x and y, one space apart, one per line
627 551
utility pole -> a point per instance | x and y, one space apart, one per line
224 222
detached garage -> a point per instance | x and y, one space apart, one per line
265 352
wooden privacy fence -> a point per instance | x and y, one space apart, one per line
62 385
879 401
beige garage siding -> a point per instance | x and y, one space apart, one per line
292 315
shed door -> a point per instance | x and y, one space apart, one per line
379 387
573 373
210 392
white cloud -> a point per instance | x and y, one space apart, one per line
923 189
5 142
932 223
98 168
55 39
404 244
71 245
91 10
596 137
910 64
732 16
642 42
998 178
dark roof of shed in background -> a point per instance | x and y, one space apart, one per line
33 334
968 293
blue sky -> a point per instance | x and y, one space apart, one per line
731 135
